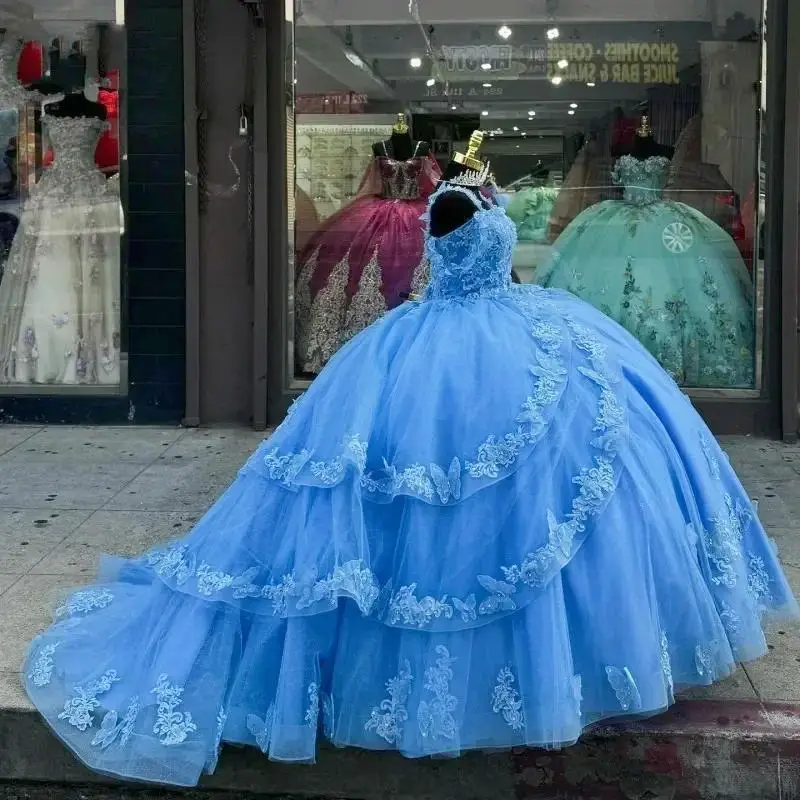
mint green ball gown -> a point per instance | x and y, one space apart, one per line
530 209
664 271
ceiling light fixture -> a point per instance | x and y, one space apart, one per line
487 85
486 66
563 64
556 80
571 113
573 105
415 61
453 108
531 113
484 113
354 58
504 32
591 84
553 33
516 128
430 82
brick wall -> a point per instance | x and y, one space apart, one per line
154 261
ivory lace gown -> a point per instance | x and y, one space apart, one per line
60 296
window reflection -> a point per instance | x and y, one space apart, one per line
627 152
61 219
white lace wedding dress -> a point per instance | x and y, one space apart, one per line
60 295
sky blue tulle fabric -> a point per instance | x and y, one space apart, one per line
491 521
665 272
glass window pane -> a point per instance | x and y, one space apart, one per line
61 218
625 139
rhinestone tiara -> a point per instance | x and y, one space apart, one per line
476 171
471 177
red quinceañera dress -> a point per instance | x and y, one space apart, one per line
363 258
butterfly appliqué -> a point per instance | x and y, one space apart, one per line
262 728
500 595
448 486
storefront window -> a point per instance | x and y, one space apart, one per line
61 220
626 145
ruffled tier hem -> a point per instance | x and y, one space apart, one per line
133 699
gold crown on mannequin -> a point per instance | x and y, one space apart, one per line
401 126
644 130
477 170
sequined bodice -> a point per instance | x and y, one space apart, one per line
73 174
475 259
12 93
643 181
400 180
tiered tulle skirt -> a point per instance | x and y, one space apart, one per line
486 524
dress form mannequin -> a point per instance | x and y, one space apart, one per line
400 146
77 105
452 209
644 146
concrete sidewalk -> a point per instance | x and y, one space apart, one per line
69 494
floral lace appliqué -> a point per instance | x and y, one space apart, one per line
85 601
506 700
666 665
79 709
758 581
389 718
42 668
312 710
704 660
435 718
352 579
171 726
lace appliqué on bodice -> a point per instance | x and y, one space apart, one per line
73 180
643 181
400 180
12 93
475 259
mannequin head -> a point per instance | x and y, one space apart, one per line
644 144
452 209
400 145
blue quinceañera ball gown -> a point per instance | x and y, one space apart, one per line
492 521
667 273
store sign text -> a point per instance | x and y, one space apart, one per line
573 62
464 91
470 58
614 62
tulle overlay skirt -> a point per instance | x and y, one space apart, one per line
487 523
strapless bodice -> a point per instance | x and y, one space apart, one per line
400 180
643 181
73 176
